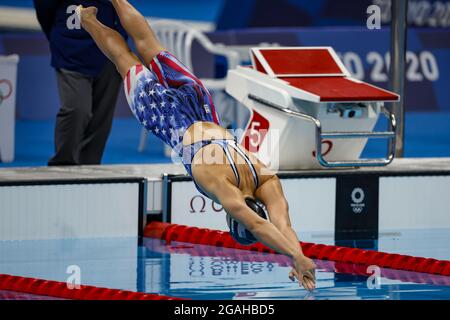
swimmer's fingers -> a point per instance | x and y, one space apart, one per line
311 273
309 280
308 284
293 275
300 278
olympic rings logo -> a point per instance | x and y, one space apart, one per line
6 89
358 196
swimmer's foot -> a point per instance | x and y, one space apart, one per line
86 14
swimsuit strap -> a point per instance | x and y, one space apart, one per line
238 149
228 142
224 143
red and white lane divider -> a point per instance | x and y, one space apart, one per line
61 290
194 235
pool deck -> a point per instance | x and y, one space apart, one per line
404 166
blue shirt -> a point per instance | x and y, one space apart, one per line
73 48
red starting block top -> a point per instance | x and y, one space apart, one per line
297 62
317 70
341 89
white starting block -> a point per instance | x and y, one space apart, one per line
8 77
307 111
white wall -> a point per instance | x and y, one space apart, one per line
69 211
419 202
311 201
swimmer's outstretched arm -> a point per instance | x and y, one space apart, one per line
233 202
271 194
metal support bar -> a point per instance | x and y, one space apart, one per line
397 66
354 135
390 135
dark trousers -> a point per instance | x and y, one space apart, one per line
85 118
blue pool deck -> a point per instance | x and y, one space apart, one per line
205 272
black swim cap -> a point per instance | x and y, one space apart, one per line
238 231
257 206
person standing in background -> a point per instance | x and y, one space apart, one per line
88 83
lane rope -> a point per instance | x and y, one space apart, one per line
173 232
58 289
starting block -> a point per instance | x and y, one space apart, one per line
307 111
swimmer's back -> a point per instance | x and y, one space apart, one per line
210 166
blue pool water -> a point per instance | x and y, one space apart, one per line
204 272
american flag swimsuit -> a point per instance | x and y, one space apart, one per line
167 99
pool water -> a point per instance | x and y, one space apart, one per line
198 272
205 272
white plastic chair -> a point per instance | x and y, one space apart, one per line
178 38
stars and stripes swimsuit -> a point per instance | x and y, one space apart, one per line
167 99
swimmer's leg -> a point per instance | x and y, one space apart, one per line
147 44
110 42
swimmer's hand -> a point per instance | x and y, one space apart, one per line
304 271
